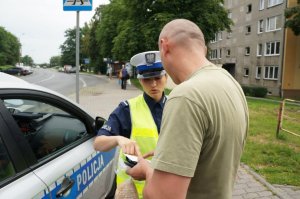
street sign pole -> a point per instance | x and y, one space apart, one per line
77 5
77 57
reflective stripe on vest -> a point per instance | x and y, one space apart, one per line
144 132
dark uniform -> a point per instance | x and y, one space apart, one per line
119 121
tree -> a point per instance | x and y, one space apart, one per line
27 60
68 48
293 18
55 61
126 27
9 48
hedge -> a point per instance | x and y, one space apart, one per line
255 91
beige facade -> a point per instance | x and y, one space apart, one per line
253 51
291 63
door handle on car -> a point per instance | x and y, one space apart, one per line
65 187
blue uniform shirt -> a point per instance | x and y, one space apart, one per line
119 121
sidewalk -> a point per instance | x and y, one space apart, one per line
102 99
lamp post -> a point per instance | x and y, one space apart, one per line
20 50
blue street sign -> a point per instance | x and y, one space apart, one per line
77 5
86 60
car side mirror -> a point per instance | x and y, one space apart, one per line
99 121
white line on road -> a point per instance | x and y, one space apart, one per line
51 77
84 84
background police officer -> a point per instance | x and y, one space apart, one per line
135 124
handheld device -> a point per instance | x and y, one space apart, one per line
131 160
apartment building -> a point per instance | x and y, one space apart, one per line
253 52
291 62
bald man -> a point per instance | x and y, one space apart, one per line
204 125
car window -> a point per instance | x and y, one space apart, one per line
6 167
47 128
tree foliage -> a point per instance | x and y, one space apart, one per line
9 48
68 48
27 60
293 18
55 61
125 27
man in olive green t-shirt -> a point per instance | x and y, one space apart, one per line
204 125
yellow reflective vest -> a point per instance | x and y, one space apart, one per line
144 132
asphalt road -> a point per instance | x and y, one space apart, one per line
61 82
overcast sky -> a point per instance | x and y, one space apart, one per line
40 24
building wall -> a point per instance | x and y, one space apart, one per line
291 64
240 39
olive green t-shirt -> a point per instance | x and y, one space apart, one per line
204 127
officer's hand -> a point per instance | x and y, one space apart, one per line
128 146
139 171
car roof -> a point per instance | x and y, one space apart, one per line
11 82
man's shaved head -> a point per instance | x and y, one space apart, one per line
182 31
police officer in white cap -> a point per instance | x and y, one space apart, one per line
135 124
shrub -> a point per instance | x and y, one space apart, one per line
260 91
255 91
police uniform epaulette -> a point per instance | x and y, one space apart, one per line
125 103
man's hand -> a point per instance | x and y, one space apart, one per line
140 170
128 146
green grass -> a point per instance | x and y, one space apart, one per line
5 67
276 159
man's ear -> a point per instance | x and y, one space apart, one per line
164 46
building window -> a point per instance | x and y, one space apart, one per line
247 50
272 48
248 30
260 26
228 52
259 49
220 53
213 54
258 72
271 72
249 8
229 15
229 34
273 23
274 2
246 72
218 37
261 4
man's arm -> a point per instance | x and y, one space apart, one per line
159 184
162 185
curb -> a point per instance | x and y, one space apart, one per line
264 182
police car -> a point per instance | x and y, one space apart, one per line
46 145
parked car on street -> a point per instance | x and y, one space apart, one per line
67 68
28 70
15 71
46 145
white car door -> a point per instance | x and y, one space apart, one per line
59 139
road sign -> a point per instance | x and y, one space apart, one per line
77 5
86 60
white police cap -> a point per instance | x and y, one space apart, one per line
148 64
